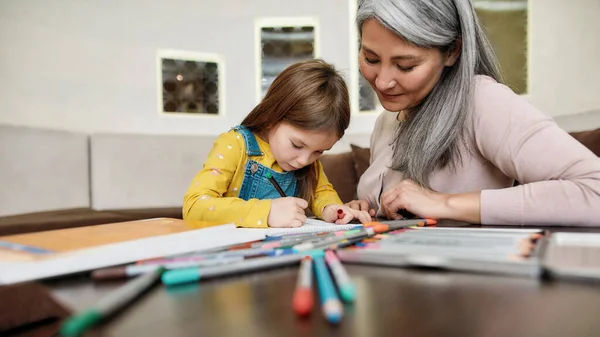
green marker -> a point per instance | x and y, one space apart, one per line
345 285
79 323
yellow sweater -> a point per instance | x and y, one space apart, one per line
212 195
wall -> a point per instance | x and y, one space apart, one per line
564 50
91 66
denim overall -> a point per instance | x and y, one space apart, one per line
255 184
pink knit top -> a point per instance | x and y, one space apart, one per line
506 139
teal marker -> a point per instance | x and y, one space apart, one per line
330 302
345 285
79 323
180 276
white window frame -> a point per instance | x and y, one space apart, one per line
354 62
354 65
273 22
196 57
515 5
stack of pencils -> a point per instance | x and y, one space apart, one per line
311 251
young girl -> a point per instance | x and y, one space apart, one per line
304 113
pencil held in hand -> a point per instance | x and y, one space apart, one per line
275 184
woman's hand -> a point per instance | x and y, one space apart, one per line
361 205
342 214
420 201
425 203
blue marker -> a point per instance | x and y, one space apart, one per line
225 254
330 303
279 252
24 248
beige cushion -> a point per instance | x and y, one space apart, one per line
42 170
132 171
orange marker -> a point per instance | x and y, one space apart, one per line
397 224
370 240
383 228
303 300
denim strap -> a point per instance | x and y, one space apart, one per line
252 148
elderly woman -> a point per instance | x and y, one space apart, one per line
453 138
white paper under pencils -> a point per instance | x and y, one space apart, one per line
310 226
126 252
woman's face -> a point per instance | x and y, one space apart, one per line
401 74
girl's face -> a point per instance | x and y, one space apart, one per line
401 74
295 148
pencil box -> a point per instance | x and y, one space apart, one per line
572 256
461 249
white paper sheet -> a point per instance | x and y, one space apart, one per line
126 252
310 226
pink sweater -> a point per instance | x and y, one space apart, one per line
507 139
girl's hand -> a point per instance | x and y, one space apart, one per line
287 212
416 199
342 214
361 205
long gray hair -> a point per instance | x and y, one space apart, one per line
430 136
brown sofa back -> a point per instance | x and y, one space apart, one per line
591 139
344 170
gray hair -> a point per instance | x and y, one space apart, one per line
430 136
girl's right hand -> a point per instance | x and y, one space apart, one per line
287 212
361 205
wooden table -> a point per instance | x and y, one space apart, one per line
64 240
390 302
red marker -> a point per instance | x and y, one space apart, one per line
341 214
303 300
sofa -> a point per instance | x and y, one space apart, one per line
53 179
58 179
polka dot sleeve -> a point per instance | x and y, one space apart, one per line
205 199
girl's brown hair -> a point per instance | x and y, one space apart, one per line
309 95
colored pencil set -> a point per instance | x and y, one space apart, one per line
480 250
312 251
